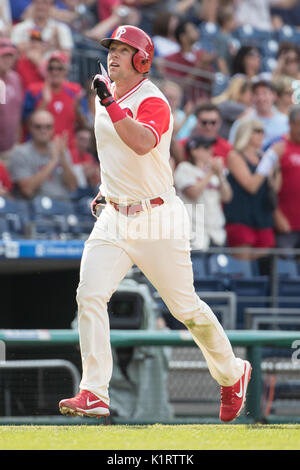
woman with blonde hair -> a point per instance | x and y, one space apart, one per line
234 102
255 179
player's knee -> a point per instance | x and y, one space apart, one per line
197 313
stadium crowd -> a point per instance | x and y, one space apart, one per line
231 72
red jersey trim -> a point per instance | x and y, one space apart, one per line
156 135
130 92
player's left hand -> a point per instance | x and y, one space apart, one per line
99 199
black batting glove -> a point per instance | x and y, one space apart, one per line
102 85
99 199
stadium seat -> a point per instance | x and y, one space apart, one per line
287 34
242 278
247 34
228 266
17 215
289 288
51 218
199 264
288 282
269 64
269 48
4 229
83 221
220 83
208 29
83 206
287 267
202 280
250 293
44 205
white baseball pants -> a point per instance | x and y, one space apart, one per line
157 241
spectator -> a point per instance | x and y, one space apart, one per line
247 61
184 119
191 66
209 122
57 95
224 41
164 26
105 8
88 104
263 100
286 16
257 13
75 13
234 102
119 15
29 63
150 9
42 166
57 35
86 167
11 100
254 178
288 61
284 94
203 187
287 215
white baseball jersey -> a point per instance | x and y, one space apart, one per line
117 242
125 175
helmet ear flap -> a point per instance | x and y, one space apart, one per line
141 62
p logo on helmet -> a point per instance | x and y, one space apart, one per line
138 39
121 30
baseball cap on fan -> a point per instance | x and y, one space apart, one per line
59 56
7 47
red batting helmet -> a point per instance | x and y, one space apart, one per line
138 39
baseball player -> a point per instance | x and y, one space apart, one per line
133 129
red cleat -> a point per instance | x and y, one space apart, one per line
84 404
233 398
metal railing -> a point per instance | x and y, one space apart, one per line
253 341
38 364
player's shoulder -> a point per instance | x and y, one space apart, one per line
149 87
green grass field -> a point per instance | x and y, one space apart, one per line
152 437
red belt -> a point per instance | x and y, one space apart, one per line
134 208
